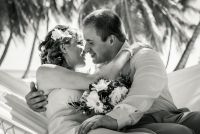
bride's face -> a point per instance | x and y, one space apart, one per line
73 54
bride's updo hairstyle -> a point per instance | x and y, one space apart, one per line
50 51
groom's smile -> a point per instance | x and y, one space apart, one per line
99 50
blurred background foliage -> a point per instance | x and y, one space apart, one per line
162 23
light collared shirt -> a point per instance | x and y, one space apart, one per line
149 91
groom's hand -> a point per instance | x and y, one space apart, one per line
98 121
36 99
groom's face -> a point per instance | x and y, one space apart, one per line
99 50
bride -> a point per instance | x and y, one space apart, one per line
64 47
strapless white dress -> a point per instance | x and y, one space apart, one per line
62 118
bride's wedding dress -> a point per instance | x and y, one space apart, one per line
63 119
184 86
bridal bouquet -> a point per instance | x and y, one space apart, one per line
103 95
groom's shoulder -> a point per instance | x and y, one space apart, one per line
144 53
142 50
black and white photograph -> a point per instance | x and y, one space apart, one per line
99 66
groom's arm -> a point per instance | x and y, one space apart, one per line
149 80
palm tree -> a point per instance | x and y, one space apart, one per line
45 8
6 47
16 17
190 44
170 48
183 60
36 29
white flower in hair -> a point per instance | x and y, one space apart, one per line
67 34
118 94
93 102
58 34
42 48
102 84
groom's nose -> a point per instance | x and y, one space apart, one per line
87 48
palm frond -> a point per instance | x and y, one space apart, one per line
4 19
151 24
20 14
174 24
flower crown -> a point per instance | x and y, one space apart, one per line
69 34
59 34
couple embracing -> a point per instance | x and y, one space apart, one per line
148 107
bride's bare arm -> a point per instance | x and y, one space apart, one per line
112 69
52 76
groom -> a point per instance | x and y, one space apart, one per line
148 104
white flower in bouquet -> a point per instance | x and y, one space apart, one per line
117 95
58 34
102 84
94 103
84 96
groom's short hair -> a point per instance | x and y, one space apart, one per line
106 23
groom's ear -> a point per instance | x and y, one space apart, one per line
111 40
63 48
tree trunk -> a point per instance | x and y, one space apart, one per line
32 49
47 20
6 47
188 49
132 37
151 23
170 49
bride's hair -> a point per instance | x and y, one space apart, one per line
50 51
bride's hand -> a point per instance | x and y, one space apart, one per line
112 69
105 71
131 48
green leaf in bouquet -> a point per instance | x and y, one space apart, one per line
75 105
125 80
